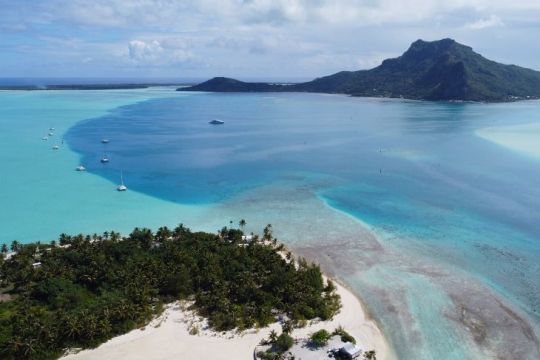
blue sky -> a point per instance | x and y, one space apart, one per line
249 38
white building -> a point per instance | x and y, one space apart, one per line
350 351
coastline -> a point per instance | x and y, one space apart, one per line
168 337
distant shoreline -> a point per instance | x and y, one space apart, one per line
87 86
185 87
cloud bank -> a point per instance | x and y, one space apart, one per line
254 38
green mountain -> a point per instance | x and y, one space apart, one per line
437 70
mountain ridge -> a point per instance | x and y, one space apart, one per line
435 70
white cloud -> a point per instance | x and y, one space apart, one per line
156 53
307 37
492 21
144 52
219 13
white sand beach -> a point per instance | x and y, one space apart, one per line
167 337
524 138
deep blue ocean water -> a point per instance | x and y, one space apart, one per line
458 217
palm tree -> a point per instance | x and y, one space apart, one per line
273 336
64 239
15 345
223 232
72 326
115 236
4 249
287 327
14 245
267 232
242 224
163 234
179 231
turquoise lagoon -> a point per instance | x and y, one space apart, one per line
436 228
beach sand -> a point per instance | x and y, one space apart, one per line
167 337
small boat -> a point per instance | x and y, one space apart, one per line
51 133
56 147
121 187
45 138
80 168
216 122
51 129
104 159
104 141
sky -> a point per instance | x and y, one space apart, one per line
249 39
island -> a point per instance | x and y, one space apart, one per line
76 86
436 70
81 291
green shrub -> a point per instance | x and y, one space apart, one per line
284 342
194 330
345 336
268 355
320 338
370 355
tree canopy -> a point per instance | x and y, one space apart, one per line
90 288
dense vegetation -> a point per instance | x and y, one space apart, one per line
91 288
437 70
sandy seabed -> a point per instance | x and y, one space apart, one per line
524 137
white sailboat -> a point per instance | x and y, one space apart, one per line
55 147
121 187
104 159
80 168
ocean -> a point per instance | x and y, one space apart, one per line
435 227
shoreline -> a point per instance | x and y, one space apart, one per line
368 314
387 352
168 335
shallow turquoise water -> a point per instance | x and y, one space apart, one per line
41 193
455 272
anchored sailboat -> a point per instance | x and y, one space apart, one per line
121 187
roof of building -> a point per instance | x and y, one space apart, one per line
351 348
